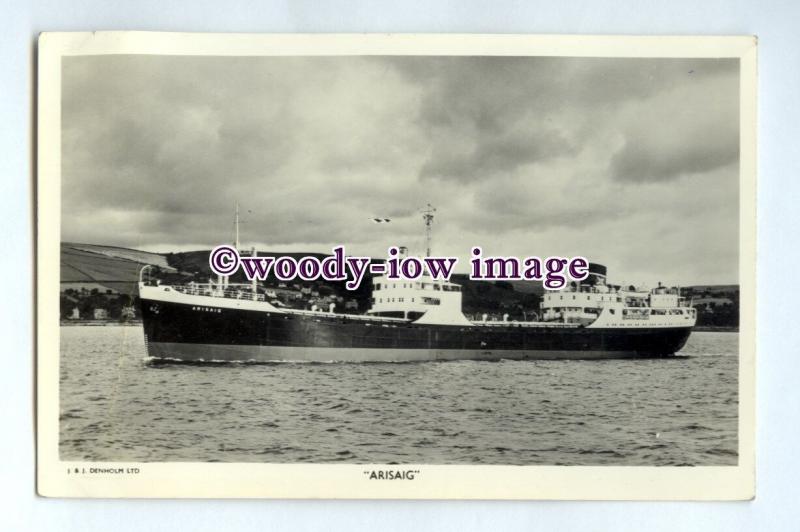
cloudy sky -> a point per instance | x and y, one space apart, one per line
630 162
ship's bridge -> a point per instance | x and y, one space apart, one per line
425 300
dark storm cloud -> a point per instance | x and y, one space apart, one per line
501 113
545 151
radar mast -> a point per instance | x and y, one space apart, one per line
427 215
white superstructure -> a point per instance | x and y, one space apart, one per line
425 300
614 306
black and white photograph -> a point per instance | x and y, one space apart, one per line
593 212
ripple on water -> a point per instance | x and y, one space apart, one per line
118 406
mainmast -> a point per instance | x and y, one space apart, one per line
236 227
427 215
224 280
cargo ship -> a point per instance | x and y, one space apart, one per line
408 321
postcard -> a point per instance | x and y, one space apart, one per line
396 266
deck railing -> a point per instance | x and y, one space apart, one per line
236 291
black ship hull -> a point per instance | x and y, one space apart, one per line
180 331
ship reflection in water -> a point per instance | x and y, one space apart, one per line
115 407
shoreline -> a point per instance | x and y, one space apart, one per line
99 323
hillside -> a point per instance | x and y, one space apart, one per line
110 267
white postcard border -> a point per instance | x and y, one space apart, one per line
257 480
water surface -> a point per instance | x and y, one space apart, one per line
116 407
